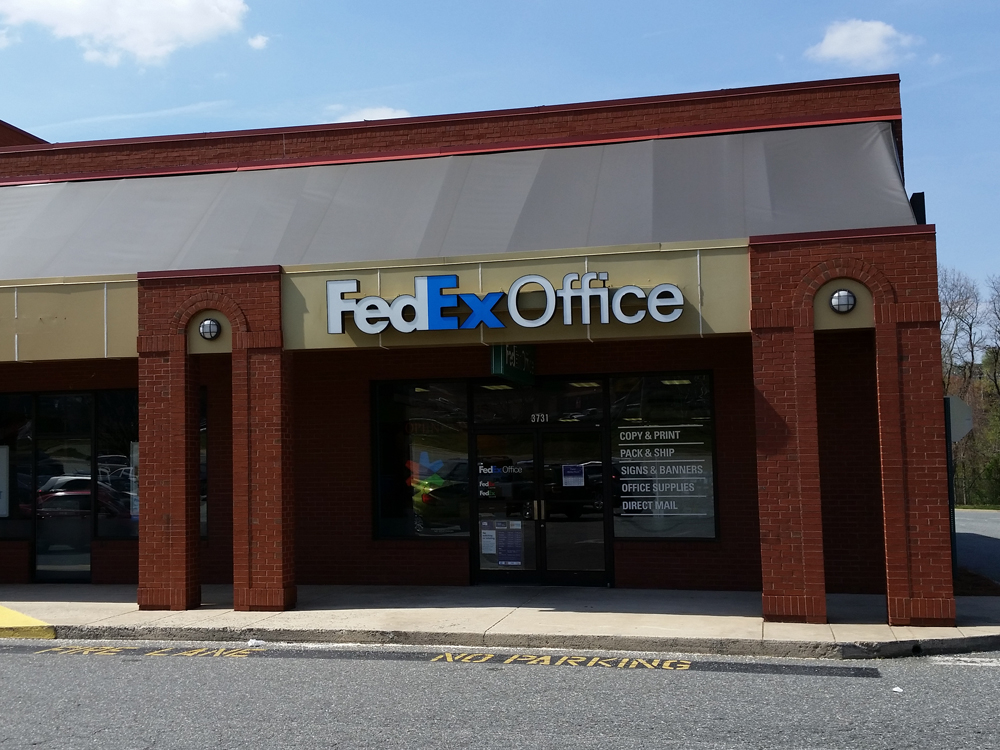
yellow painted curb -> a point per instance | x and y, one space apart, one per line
15 625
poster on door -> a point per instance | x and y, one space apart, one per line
510 543
487 538
572 475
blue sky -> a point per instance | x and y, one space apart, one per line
95 69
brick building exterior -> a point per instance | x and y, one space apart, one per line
826 470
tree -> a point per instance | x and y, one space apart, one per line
962 335
970 359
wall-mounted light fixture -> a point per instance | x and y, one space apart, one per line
843 301
209 329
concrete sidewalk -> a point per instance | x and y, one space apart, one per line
502 616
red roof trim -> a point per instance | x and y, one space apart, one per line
521 112
38 141
843 234
198 273
888 115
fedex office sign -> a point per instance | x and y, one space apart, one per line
432 307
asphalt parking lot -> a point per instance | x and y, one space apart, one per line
166 695
978 538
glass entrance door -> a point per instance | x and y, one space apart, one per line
572 507
63 502
508 505
542 513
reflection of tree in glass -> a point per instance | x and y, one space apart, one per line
661 398
64 416
117 422
572 402
498 403
14 423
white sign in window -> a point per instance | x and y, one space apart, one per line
572 475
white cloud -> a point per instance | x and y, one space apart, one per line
6 39
369 113
867 45
149 30
258 42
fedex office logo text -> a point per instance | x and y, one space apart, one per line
433 306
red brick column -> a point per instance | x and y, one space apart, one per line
788 488
914 499
263 533
168 482
263 509
897 264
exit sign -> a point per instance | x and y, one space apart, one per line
513 362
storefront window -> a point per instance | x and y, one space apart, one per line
662 450
118 464
422 467
548 402
51 487
16 434
661 436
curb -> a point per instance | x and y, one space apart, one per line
719 646
14 624
46 632
28 631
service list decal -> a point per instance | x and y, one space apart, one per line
664 470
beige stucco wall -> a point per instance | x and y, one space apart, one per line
80 318
94 318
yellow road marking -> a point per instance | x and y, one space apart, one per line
238 653
88 650
612 662
16 625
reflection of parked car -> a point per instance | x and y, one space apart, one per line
65 496
112 461
64 502
64 484
121 479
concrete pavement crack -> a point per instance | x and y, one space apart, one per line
526 602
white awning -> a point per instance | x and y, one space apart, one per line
671 190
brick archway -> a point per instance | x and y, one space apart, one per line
847 268
211 301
